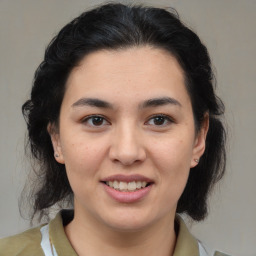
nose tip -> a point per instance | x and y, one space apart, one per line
127 149
127 158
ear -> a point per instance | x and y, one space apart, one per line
55 138
199 145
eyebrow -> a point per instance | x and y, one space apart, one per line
93 102
155 102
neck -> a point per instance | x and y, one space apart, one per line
157 239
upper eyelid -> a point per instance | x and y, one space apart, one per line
94 115
169 118
162 115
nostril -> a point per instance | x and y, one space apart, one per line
127 153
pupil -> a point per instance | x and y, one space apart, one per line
97 120
159 120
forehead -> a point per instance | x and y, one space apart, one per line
127 72
131 60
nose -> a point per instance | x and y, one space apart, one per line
127 146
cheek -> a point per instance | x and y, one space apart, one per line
82 159
172 160
174 168
83 163
173 155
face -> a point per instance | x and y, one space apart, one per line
127 137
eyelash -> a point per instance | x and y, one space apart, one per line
87 119
167 120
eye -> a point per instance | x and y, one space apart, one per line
95 121
159 120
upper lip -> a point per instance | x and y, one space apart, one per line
127 178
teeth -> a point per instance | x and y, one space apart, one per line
115 185
123 185
138 184
126 186
131 186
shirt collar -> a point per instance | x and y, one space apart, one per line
186 244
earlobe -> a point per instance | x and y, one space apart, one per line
200 142
55 138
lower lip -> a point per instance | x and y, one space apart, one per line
127 197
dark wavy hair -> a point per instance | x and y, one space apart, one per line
117 26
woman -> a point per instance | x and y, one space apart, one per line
126 129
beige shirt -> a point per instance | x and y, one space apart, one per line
28 243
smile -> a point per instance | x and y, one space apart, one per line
126 186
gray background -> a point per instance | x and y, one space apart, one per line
227 27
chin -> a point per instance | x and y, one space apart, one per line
128 226
130 221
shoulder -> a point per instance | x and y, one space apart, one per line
220 254
187 244
23 244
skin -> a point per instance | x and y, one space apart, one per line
129 139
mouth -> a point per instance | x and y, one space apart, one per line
127 189
131 186
127 183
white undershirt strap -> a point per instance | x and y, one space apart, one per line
202 251
47 246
